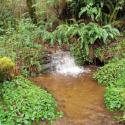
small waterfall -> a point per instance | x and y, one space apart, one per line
64 63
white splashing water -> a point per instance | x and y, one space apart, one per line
65 64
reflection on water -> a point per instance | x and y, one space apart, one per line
80 98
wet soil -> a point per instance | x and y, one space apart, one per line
80 98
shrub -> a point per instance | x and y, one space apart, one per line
25 103
21 46
111 52
113 98
82 35
110 73
90 35
7 68
103 11
79 54
6 16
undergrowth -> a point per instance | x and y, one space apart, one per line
89 28
25 103
20 45
114 98
80 37
111 52
112 75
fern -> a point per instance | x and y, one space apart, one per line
86 35
93 12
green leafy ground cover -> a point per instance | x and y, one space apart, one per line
24 103
112 75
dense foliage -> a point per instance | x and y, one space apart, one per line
89 28
24 103
83 36
111 72
111 52
80 35
90 23
114 99
89 35
102 11
19 44
112 75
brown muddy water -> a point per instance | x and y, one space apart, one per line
80 98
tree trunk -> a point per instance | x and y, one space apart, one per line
32 10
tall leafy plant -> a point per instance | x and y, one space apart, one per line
82 35
93 12
103 11
20 45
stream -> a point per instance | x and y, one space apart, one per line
77 94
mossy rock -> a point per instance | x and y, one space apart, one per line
7 69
